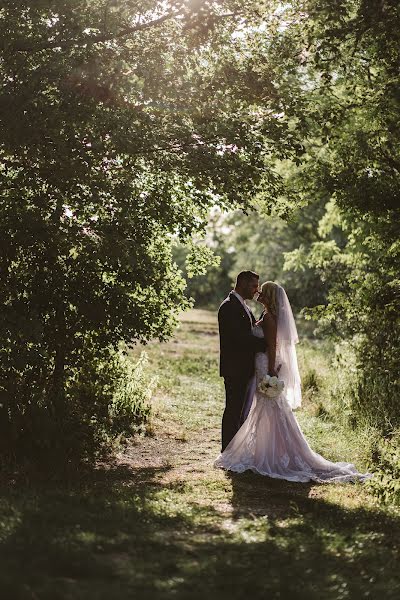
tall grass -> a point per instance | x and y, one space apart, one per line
335 391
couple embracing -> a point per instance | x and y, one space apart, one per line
259 430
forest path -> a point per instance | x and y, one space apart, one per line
160 522
247 535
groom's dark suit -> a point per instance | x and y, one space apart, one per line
238 348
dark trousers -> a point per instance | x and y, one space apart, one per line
235 391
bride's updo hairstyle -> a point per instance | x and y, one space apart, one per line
269 293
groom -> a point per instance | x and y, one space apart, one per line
237 350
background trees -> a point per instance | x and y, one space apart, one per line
352 58
338 80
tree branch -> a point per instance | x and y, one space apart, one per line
100 38
96 39
176 146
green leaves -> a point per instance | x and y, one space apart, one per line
122 125
199 258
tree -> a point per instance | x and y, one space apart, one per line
348 66
122 123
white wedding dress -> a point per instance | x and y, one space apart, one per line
270 441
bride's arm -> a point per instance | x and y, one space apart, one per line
269 329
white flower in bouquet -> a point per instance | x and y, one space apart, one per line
271 386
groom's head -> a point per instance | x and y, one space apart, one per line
247 284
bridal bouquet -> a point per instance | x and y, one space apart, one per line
271 386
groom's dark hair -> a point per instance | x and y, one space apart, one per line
245 276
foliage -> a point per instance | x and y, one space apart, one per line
108 399
363 308
198 258
259 243
263 242
348 68
131 399
122 124
209 284
386 481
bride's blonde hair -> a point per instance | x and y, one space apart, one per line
269 291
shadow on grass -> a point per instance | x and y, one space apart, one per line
121 533
331 552
264 496
258 496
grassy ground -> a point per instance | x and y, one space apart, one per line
160 522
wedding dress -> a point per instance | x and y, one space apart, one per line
270 441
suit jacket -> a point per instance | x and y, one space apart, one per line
237 344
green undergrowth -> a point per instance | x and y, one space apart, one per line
338 428
160 522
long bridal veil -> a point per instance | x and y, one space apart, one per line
286 338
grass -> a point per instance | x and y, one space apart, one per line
160 522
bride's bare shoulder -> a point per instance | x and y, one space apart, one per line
268 318
269 322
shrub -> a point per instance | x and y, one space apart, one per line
106 399
130 407
310 381
386 481
364 391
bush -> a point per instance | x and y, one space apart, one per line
130 407
386 481
106 399
310 381
365 389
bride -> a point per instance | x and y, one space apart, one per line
270 441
